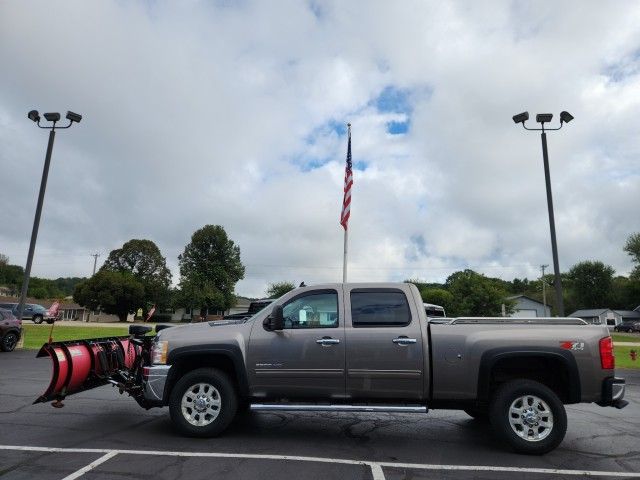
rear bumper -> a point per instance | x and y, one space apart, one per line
155 379
613 390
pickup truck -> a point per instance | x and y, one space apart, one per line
370 347
353 347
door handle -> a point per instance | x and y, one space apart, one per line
404 341
327 342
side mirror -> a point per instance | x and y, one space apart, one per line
275 321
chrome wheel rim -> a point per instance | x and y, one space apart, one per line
531 418
201 404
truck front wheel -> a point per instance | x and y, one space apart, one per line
528 416
203 403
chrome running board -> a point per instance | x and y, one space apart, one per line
301 407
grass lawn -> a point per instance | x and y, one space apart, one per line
625 337
623 360
37 335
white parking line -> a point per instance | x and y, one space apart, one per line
91 466
376 467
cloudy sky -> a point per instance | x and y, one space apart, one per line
234 113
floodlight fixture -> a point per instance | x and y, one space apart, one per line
521 117
34 116
565 117
52 117
544 117
74 117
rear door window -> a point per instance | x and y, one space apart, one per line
379 308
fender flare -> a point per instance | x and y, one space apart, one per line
232 352
566 358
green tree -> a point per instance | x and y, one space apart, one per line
276 290
4 260
590 284
143 260
210 267
476 295
11 277
438 296
632 247
115 293
625 293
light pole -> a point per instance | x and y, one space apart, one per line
53 118
544 289
542 118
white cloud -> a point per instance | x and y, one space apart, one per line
220 113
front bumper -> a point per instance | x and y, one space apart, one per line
155 379
613 389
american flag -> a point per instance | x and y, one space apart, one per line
348 182
151 312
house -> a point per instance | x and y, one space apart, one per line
629 315
607 316
70 310
527 307
598 316
184 314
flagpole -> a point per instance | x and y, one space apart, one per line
344 264
346 229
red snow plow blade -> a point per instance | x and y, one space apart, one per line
80 365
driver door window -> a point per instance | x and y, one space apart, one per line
318 310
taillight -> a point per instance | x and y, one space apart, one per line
607 358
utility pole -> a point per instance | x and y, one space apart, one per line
95 261
544 289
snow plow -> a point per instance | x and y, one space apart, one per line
80 365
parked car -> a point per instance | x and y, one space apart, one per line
32 311
10 330
434 310
628 326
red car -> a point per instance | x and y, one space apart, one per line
10 330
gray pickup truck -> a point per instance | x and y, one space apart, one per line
370 347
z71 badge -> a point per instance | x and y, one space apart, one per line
569 345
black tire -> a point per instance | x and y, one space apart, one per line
50 321
226 396
477 413
500 416
9 342
37 319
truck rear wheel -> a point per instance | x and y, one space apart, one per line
203 403
528 416
37 319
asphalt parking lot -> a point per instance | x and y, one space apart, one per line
102 435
